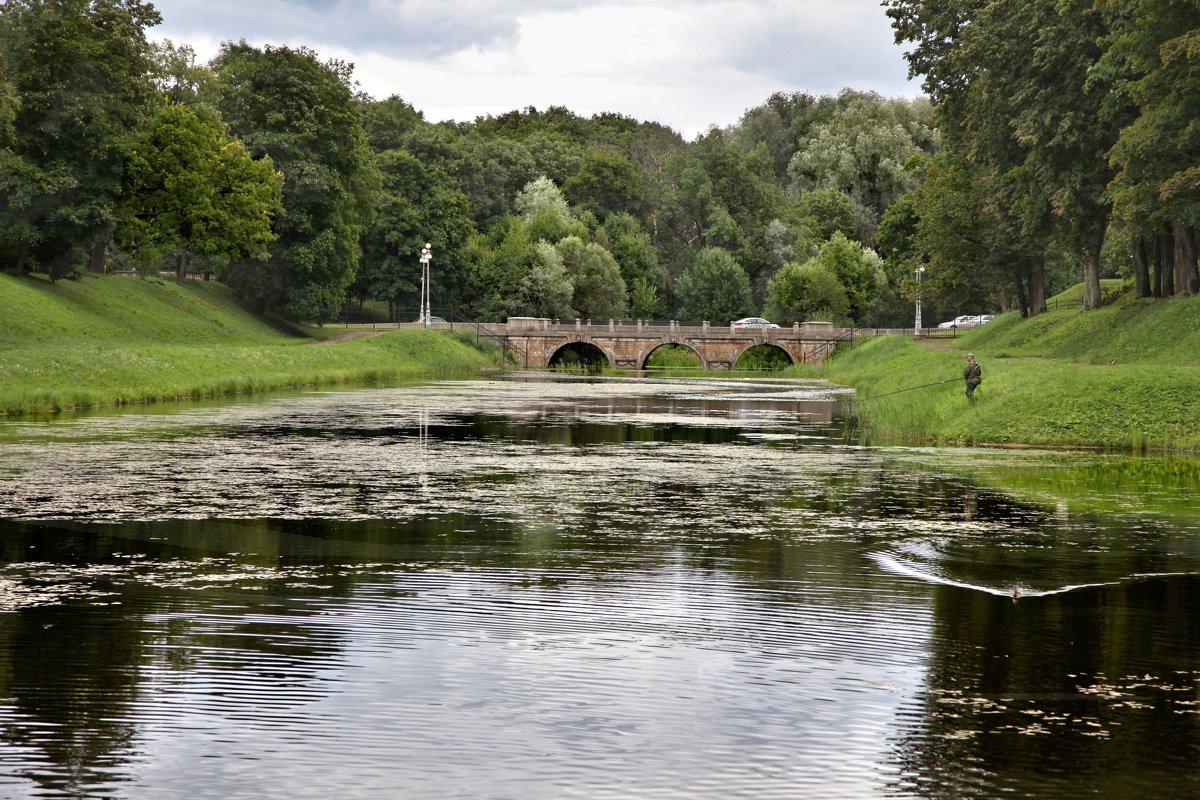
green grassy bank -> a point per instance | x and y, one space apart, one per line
108 340
1123 376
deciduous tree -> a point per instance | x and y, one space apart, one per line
546 289
285 103
858 269
599 290
415 205
861 150
807 291
715 288
193 189
1156 189
1018 91
81 72
606 182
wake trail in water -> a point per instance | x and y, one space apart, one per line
910 569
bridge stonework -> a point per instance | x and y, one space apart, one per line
536 341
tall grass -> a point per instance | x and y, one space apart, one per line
674 357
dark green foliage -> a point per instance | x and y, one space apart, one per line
500 261
824 212
725 197
840 284
860 149
389 123
808 291
599 291
764 357
605 183
79 72
286 104
780 124
714 289
1026 92
416 205
1051 112
191 189
1153 50
491 172
638 260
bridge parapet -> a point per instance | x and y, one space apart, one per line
516 326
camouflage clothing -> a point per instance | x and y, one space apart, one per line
973 376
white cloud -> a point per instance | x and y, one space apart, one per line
686 63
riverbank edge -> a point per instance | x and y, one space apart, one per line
156 385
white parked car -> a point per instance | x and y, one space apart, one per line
967 321
753 322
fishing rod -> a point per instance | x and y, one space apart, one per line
909 389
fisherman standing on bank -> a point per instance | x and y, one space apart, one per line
972 375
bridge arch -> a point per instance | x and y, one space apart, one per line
768 347
644 359
580 354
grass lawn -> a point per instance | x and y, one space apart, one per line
1123 376
107 340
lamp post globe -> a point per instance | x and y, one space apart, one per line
917 323
426 257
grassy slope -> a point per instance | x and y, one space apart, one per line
109 340
1127 376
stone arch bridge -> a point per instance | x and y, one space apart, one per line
627 345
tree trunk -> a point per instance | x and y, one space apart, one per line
1187 280
96 257
1158 282
1091 267
181 265
1037 284
1167 254
1002 299
1141 269
22 256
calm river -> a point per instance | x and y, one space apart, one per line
585 589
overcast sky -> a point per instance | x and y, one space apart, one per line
688 64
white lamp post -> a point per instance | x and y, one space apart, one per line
426 257
917 325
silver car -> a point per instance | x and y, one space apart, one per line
752 322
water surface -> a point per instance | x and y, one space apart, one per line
589 589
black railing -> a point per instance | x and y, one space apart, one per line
520 354
826 348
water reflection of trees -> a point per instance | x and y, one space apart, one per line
70 675
1092 693
134 602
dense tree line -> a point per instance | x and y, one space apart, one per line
1058 134
268 168
1070 133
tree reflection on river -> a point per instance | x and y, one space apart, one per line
592 589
